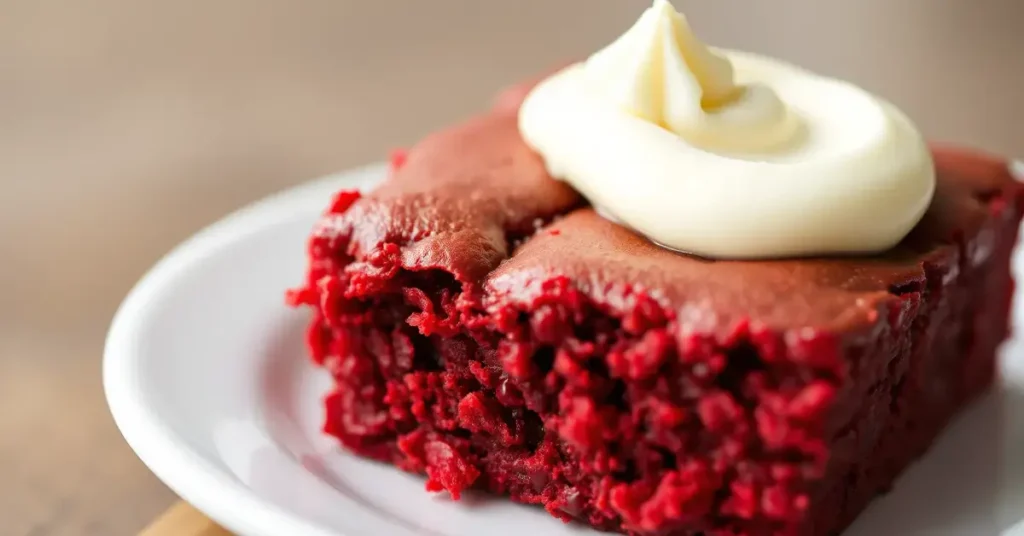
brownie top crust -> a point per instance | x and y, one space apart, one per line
459 200
475 201
838 293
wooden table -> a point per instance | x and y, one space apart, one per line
126 125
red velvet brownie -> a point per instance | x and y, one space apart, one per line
485 327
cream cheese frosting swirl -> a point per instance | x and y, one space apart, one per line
726 154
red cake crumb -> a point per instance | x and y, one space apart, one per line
448 466
397 159
487 329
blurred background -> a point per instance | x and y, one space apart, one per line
127 125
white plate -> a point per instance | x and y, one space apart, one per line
207 378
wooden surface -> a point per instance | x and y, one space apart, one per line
183 520
127 125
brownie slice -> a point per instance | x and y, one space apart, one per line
485 327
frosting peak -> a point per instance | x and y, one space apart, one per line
659 71
726 154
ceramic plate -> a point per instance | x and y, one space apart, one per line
206 376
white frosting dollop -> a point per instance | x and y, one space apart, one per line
726 154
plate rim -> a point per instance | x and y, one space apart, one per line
186 472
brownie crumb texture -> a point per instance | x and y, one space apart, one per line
464 348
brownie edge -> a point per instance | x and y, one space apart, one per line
485 327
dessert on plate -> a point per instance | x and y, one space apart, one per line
670 290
